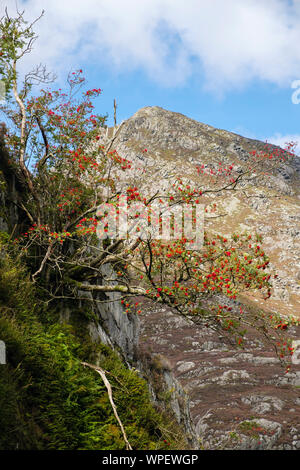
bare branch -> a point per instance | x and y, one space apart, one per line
107 288
48 253
101 372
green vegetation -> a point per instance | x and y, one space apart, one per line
251 428
48 400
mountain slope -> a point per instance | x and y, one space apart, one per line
238 399
179 146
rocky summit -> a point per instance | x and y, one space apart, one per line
226 398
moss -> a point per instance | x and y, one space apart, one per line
4 236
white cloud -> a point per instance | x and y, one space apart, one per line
283 140
231 41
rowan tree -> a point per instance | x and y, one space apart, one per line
64 168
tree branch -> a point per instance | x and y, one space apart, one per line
106 288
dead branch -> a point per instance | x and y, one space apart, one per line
109 391
43 262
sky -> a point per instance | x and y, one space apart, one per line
232 64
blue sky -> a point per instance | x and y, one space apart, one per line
227 63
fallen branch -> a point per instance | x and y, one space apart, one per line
109 391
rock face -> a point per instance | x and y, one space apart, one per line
239 399
226 398
114 328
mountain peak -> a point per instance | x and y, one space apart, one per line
177 145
